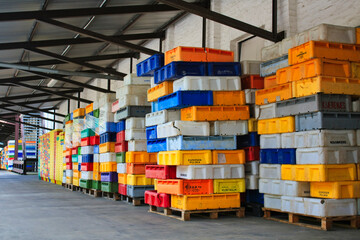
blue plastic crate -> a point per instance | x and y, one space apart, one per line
223 69
96 149
176 70
120 126
107 127
30 147
151 133
154 106
108 137
79 167
253 196
249 140
87 158
182 99
287 155
156 145
269 156
71 116
109 177
201 143
149 65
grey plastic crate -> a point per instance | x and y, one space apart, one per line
137 191
201 143
270 67
132 111
314 103
327 120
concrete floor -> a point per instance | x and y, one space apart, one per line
33 209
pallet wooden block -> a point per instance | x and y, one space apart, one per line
325 222
133 201
92 192
112 196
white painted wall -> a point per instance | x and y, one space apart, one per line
293 16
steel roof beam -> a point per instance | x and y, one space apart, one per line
45 110
98 36
29 114
28 124
21 97
24 112
36 101
223 19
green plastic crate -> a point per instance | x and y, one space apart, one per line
79 150
85 183
96 185
120 157
87 133
96 113
67 118
109 187
74 158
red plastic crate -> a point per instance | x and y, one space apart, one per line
68 159
95 140
252 82
69 166
74 151
157 199
120 136
160 171
122 189
121 146
252 153
87 166
85 141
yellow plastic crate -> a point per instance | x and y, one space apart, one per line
76 174
215 113
185 157
228 156
228 98
160 90
89 108
274 94
355 70
327 85
96 176
107 147
155 184
80 112
76 181
139 180
108 167
206 201
122 178
229 185
69 180
96 167
337 190
252 125
358 170
276 125
319 172
140 157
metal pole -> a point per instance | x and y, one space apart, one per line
68 106
109 84
204 33
54 119
131 65
79 100
16 137
274 17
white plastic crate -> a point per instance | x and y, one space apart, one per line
288 140
121 168
87 150
96 104
252 182
152 82
358 137
325 138
270 141
106 98
132 79
250 67
96 158
252 168
79 159
107 107
107 157
105 116
293 204
271 171
160 117
327 155
69 173
271 52
295 189
205 83
270 186
64 179
330 207
358 206
250 96
135 123
265 111
222 128
86 175
356 106
135 134
137 146
131 90
272 201
185 128
210 171
133 100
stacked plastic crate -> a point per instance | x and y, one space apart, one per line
201 141
59 161
67 152
130 109
309 148
78 126
107 157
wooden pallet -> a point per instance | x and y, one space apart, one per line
111 196
314 222
185 214
134 201
69 187
92 192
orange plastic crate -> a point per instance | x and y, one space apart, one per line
108 167
76 174
96 167
68 152
215 113
80 112
312 68
185 187
188 54
89 108
122 178
357 35
330 50
218 55
140 157
69 122
228 156
160 90
96 176
252 82
273 94
133 168
228 98
107 147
